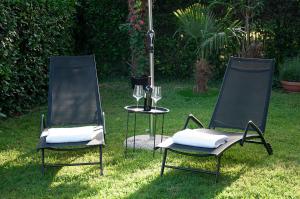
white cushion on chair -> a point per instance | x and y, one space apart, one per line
199 138
73 134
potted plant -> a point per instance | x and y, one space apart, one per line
136 29
199 26
289 74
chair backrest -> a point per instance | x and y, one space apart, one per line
73 96
245 94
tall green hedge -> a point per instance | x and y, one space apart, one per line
281 22
98 33
30 32
172 58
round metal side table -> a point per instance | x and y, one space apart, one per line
142 141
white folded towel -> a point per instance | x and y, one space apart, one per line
199 138
74 134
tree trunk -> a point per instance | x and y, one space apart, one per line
247 27
202 73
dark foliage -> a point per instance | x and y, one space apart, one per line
98 33
172 58
280 21
30 32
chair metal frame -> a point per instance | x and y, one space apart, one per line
43 146
218 152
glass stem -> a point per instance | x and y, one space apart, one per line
137 104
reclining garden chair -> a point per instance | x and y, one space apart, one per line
242 105
75 119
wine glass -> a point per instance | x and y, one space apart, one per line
156 94
138 93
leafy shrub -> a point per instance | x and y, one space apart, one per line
290 70
101 20
30 32
136 28
98 33
280 22
173 59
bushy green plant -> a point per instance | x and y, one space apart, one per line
280 24
31 32
99 34
290 70
136 29
200 26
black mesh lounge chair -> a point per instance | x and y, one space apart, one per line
73 107
242 105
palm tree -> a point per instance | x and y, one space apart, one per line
201 27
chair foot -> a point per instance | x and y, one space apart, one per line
218 168
163 162
43 162
269 148
101 162
267 145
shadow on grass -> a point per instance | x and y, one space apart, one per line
180 184
22 176
27 182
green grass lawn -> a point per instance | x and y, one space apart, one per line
247 172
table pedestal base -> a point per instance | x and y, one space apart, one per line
144 141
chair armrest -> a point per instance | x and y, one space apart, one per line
43 124
254 127
194 119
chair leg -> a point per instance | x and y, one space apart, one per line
269 148
267 145
218 168
101 163
43 161
163 162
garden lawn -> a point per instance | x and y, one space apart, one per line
247 172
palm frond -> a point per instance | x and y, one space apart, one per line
214 42
198 23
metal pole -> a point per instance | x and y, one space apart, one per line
151 35
150 38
